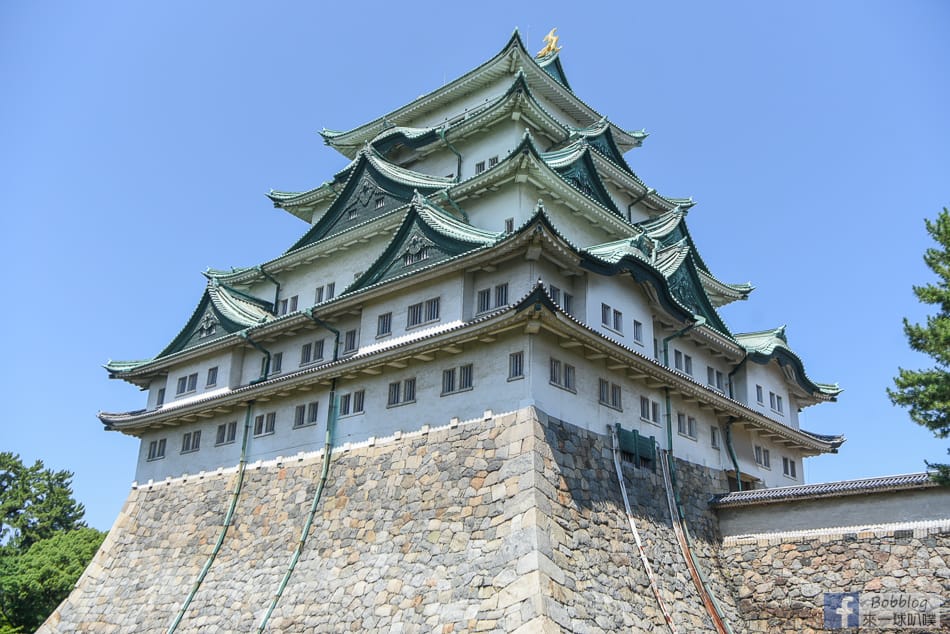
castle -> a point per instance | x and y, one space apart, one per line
488 389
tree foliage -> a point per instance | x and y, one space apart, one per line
44 544
34 582
926 392
35 502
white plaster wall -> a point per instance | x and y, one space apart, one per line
772 379
490 209
621 292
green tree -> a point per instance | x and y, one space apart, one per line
44 544
34 582
35 502
927 392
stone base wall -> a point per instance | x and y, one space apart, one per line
514 523
780 579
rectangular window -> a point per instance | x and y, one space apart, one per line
569 377
509 225
555 367
758 394
555 294
516 365
306 350
414 316
691 427
568 304
501 295
644 408
187 383
312 409
344 404
605 314
384 324
191 441
448 381
300 416
432 309
677 359
492 161
265 423
479 167
778 404
714 437
710 375
318 295
282 307
358 398
656 349
688 364
655 412
160 400
609 394
637 331
226 433
293 303
618 320
762 457
788 467
276 362
349 341
395 393
212 377
317 350
156 449
681 423
603 391
615 396
331 290
465 377
409 390
484 300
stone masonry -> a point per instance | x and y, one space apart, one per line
513 523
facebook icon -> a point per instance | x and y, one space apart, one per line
841 610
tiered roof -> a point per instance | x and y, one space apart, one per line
431 232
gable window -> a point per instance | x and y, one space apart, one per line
492 161
649 410
762 456
306 414
160 399
226 433
349 342
714 437
384 325
788 467
637 331
457 379
212 377
265 424
402 392
516 365
609 394
412 257
509 225
380 201
187 383
479 167
352 213
758 395
156 449
352 403
191 441
276 362
686 425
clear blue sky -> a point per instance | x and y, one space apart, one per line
137 141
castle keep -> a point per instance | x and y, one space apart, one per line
488 389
